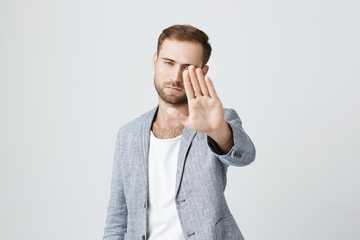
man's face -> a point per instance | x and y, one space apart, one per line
174 57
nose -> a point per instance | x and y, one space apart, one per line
177 74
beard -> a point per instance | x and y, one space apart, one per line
178 98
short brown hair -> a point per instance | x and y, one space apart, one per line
187 33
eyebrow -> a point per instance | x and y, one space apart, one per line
185 64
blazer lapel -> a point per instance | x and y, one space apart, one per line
144 147
186 140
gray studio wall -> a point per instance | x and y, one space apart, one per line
72 72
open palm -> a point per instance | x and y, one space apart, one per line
206 113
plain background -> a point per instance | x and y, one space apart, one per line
72 72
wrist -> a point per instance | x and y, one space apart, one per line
220 132
223 137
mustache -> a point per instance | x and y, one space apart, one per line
173 85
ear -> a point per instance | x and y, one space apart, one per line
154 60
205 69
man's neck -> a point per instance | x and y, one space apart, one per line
164 125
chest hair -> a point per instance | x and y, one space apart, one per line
162 132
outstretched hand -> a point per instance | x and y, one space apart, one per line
206 113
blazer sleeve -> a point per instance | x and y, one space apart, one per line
243 152
116 220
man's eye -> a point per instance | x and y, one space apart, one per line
169 63
186 67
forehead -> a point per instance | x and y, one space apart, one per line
185 52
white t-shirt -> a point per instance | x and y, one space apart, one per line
163 219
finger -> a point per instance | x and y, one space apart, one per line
187 85
211 88
194 81
177 114
200 77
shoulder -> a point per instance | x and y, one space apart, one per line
229 111
231 114
137 124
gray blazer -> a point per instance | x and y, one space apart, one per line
200 182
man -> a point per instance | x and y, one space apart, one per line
170 165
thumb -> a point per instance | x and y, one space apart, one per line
177 114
